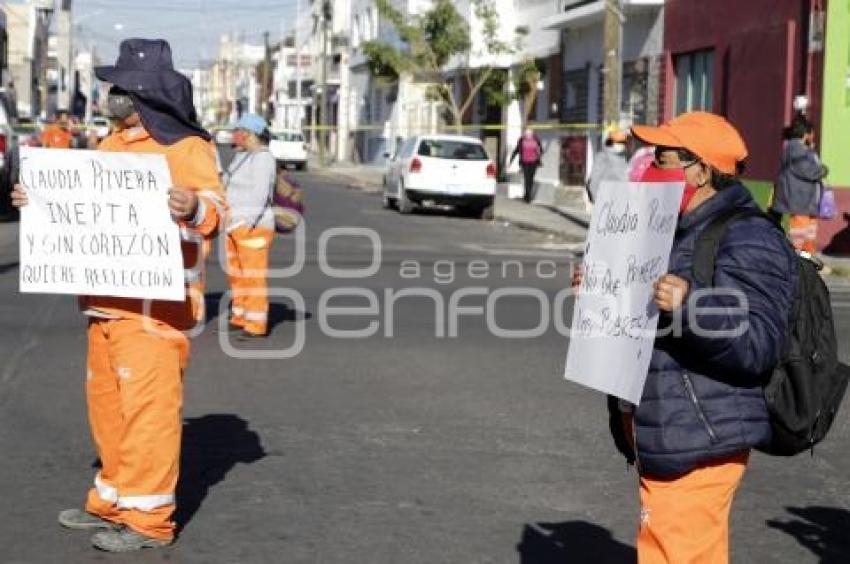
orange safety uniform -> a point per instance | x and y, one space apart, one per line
56 137
686 519
136 358
247 268
803 231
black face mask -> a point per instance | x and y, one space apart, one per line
119 106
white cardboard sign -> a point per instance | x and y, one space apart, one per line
98 224
615 319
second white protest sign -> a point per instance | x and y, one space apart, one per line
614 320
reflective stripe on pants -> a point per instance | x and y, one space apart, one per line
135 393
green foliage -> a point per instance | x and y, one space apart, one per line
431 41
495 89
445 32
526 77
385 62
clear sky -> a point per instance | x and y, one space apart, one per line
192 27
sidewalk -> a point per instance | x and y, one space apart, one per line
569 224
367 178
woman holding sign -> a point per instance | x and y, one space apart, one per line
250 181
137 350
702 409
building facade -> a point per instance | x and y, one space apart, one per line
27 26
581 23
834 235
750 61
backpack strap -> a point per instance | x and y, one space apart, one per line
708 242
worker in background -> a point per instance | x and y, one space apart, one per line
58 134
250 182
137 350
799 188
609 163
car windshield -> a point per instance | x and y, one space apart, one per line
456 150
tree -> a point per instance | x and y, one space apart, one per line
436 39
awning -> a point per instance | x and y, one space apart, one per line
580 13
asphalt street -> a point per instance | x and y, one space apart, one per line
407 446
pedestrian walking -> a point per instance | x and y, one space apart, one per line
530 152
58 134
703 408
137 351
609 163
250 183
799 188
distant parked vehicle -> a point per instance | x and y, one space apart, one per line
288 148
442 170
223 136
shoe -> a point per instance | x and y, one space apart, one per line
126 539
83 520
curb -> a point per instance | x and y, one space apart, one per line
537 228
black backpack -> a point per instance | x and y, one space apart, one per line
805 390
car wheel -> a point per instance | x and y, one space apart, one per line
486 213
302 166
405 206
479 211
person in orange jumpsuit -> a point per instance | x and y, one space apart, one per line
58 134
250 183
137 351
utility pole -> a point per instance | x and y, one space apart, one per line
613 69
327 15
299 113
267 63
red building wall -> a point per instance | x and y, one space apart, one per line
760 64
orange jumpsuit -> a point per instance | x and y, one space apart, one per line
247 268
56 137
136 358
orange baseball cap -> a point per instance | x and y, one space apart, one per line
708 136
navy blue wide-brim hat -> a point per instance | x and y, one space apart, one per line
162 96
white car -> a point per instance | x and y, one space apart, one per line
288 148
223 136
441 170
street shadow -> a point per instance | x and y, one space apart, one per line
212 445
822 530
572 541
278 313
6 267
445 211
839 245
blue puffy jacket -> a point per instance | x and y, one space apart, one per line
703 398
